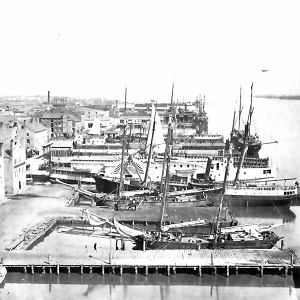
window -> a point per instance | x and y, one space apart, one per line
27 134
28 141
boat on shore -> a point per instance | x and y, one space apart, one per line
3 272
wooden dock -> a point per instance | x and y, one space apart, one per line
168 262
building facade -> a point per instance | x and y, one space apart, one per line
14 166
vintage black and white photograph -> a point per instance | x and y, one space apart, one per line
149 149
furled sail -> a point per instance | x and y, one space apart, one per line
95 220
128 232
185 224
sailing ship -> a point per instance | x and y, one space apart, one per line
240 237
259 193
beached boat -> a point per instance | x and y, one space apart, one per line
3 272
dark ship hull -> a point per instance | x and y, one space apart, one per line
111 186
267 243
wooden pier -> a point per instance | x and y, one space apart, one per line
226 262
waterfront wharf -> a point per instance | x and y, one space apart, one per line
167 262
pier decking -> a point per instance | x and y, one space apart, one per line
142 262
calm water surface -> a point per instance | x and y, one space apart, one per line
273 120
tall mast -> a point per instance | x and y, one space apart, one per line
245 144
167 143
123 150
240 108
225 180
150 150
167 162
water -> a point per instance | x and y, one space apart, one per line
273 120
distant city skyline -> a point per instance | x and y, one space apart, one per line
97 48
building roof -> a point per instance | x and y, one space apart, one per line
73 117
35 127
62 144
49 115
7 118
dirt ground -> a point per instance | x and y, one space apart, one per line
39 203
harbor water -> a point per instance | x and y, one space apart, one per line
273 119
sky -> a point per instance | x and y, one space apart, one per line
97 48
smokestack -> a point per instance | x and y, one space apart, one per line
48 97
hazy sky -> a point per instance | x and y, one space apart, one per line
96 48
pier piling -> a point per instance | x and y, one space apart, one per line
200 271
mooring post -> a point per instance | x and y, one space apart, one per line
121 270
146 270
212 259
286 271
113 270
50 270
135 270
25 269
102 270
236 270
57 269
261 270
168 270
200 271
69 270
81 269
91 270
43 270
144 245
32 269
215 270
174 270
227 271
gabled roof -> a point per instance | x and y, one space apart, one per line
35 127
73 117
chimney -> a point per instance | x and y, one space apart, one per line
48 97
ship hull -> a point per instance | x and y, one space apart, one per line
170 245
149 204
250 200
109 186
